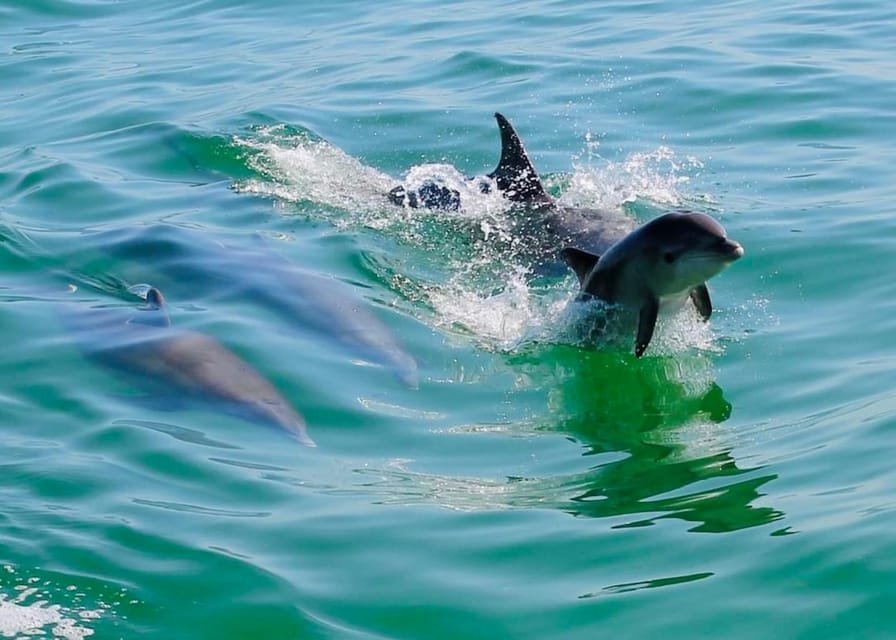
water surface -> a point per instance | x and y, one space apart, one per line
737 478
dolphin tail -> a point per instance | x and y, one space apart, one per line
429 196
515 175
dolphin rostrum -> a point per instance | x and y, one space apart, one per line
192 364
658 264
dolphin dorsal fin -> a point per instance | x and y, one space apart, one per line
515 175
581 262
155 302
154 298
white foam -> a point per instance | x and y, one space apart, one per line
299 168
40 618
498 321
32 606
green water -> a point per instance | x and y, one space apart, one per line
736 482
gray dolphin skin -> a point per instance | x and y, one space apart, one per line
325 305
641 268
192 365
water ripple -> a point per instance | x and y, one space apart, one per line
200 510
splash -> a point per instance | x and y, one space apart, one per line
655 176
296 167
475 283
499 321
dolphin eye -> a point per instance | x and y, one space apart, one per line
669 257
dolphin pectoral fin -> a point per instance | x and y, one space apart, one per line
700 297
646 324
515 175
581 262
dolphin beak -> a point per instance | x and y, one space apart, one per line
731 249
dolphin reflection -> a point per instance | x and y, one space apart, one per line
649 436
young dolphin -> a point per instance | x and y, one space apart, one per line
191 364
658 264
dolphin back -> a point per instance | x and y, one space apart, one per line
329 307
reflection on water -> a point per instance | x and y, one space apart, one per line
664 414
184 434
626 587
651 426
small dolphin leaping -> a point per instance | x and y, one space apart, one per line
191 364
659 264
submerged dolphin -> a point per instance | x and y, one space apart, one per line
659 264
325 305
186 362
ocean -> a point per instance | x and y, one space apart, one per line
515 481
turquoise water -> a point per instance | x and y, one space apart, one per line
736 482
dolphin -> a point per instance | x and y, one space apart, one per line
191 364
658 264
325 305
